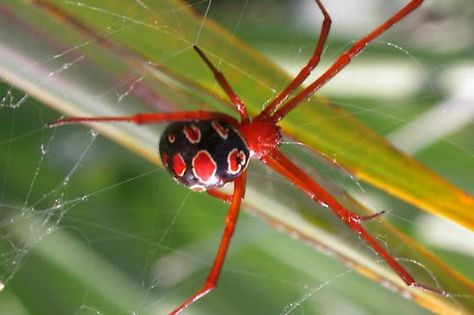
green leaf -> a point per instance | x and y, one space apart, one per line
116 48
331 131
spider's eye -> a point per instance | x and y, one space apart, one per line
203 154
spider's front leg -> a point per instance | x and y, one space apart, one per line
343 60
306 70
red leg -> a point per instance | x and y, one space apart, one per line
306 70
294 174
344 60
238 103
220 195
151 118
231 220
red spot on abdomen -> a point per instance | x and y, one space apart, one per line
236 161
221 131
204 166
179 166
165 159
192 133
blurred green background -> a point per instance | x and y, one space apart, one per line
89 228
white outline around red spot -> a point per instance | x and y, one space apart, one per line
193 135
194 166
223 132
183 163
242 163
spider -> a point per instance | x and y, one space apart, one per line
205 150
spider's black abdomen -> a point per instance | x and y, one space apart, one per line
203 154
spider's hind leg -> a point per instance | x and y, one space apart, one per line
298 177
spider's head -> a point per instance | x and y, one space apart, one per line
261 137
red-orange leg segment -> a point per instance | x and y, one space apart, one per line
294 174
344 60
230 222
151 118
306 70
220 195
238 103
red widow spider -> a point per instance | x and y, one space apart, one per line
205 150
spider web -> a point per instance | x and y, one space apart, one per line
79 215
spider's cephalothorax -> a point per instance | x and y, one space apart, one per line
203 154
